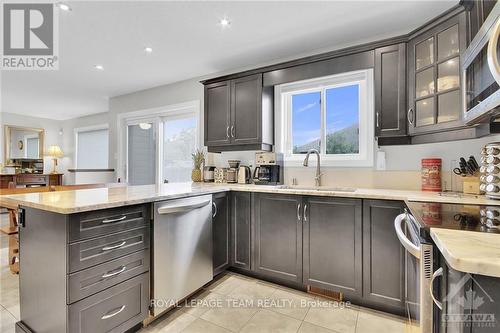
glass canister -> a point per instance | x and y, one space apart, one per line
431 174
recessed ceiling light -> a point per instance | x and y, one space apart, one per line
148 50
63 6
145 126
224 22
99 67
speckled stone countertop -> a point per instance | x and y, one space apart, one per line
68 202
469 252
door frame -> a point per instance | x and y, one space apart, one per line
155 115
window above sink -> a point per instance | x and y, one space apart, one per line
333 114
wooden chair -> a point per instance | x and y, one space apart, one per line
12 229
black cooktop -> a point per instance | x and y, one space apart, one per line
458 217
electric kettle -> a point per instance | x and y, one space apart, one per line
244 175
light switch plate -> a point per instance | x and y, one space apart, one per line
381 160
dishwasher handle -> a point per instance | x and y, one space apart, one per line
175 208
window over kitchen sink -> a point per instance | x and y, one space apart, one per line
332 114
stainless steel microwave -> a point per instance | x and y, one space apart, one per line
481 72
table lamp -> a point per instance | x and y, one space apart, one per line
55 152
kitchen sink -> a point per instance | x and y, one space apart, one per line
320 189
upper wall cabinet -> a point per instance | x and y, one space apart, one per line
434 77
390 91
239 115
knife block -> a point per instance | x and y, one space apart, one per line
471 185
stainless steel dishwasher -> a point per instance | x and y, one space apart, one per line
182 249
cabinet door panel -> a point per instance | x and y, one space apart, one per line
246 109
241 230
383 256
221 232
217 113
333 244
278 236
390 90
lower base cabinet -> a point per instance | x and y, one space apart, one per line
278 236
241 231
383 257
332 241
221 231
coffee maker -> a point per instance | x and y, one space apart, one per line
269 169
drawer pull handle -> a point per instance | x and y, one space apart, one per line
111 274
109 248
114 313
115 220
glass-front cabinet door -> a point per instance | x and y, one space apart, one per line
434 77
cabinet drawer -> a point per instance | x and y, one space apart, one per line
107 221
95 251
92 280
116 309
30 179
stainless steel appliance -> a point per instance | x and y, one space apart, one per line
421 252
244 175
269 169
481 72
182 249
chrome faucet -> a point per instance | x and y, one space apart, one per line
317 179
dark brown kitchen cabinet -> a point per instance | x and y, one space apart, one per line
221 229
390 91
434 76
239 115
217 113
477 12
383 257
332 241
278 236
241 230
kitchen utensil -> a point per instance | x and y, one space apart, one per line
232 175
244 175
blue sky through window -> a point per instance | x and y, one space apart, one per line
342 112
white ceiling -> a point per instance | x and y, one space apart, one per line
188 42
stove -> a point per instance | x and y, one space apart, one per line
477 218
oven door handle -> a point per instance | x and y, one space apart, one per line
408 245
492 53
438 272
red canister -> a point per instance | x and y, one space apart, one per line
431 174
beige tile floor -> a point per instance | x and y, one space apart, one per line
234 303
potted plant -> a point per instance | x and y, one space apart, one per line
198 159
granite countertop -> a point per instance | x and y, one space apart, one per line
468 251
68 202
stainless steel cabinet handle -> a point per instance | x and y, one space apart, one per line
111 274
492 52
170 209
114 313
214 210
410 116
305 212
378 116
109 248
298 213
227 132
437 273
232 131
115 220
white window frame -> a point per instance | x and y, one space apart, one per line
283 118
88 129
156 116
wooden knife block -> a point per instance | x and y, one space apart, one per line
471 185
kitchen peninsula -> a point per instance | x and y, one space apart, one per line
100 245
